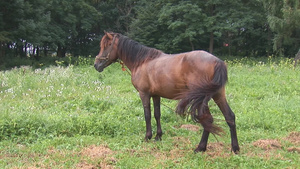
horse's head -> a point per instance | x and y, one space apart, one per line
108 51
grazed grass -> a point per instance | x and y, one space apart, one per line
54 117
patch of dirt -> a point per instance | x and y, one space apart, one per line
101 154
180 141
176 154
218 149
183 145
190 127
270 146
267 144
215 146
180 149
294 149
266 155
294 137
95 152
85 165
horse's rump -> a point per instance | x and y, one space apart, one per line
195 100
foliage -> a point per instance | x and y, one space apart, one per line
72 26
40 28
283 17
241 25
178 26
48 116
182 20
145 28
61 25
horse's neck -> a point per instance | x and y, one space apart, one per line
124 62
134 60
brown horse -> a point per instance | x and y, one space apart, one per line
193 78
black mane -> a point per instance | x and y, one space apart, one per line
134 52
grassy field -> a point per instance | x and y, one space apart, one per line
75 117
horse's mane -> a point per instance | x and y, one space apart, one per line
134 52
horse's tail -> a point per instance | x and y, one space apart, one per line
195 100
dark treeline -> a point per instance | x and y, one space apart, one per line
258 28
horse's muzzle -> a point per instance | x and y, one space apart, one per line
99 67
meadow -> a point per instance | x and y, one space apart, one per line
75 117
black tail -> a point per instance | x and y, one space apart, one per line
195 101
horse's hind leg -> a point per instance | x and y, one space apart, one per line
206 120
221 101
156 103
203 143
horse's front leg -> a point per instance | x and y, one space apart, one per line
147 111
156 102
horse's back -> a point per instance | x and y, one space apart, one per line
170 75
193 59
201 56
199 63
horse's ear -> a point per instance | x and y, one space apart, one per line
109 35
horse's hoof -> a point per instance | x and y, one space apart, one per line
197 150
147 138
236 149
158 138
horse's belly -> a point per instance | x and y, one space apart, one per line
169 94
166 81
167 89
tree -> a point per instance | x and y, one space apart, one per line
173 26
234 24
33 25
145 27
234 27
183 21
71 26
8 24
181 25
82 40
283 17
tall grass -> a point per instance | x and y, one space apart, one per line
58 101
264 96
45 105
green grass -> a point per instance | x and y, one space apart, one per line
50 117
